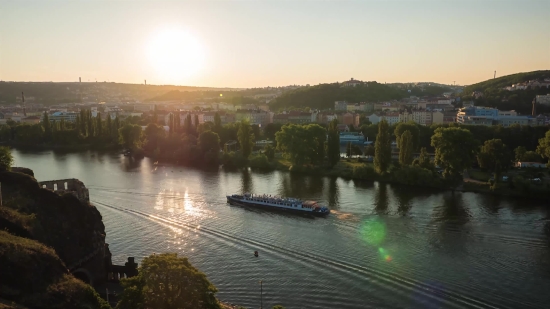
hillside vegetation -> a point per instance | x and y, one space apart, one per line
41 233
323 96
494 94
508 80
34 276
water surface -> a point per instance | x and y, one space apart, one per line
382 247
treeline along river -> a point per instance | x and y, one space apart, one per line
382 247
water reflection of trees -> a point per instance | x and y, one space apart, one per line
295 185
404 198
246 179
128 164
381 199
333 193
449 224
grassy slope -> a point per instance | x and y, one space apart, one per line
34 276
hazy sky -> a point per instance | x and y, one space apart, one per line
271 43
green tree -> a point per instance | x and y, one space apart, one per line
382 154
155 115
47 127
356 150
108 126
130 135
407 126
531 156
333 143
154 136
6 159
406 148
269 152
99 125
90 123
246 138
519 153
209 142
168 282
455 150
423 160
114 129
543 148
187 125
494 156
369 150
217 123
196 122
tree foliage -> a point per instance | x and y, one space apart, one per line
406 148
455 150
167 282
423 160
543 148
382 155
333 143
246 138
6 158
302 144
130 135
413 130
495 156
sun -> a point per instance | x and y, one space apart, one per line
176 55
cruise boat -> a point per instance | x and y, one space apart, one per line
278 203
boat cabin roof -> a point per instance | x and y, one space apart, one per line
309 203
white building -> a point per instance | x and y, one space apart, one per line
66 116
341 105
543 99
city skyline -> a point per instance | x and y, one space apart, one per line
242 44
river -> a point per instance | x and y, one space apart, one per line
383 246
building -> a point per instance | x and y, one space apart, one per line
341 105
255 117
352 83
144 107
347 119
391 118
507 113
324 118
355 138
475 120
543 99
31 119
507 121
530 165
66 116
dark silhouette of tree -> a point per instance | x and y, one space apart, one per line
333 143
382 155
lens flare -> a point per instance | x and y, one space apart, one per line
373 232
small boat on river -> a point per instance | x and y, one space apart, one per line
278 203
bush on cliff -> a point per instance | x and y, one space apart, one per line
165 282
72 228
34 276
6 159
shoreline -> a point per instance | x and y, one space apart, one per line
344 170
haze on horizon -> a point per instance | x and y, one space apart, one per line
271 43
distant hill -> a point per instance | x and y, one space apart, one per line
494 94
323 96
51 93
492 85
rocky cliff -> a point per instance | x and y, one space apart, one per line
48 236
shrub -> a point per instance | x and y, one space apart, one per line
365 172
415 175
260 161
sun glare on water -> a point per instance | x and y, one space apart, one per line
175 55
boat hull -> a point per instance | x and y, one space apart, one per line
234 201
